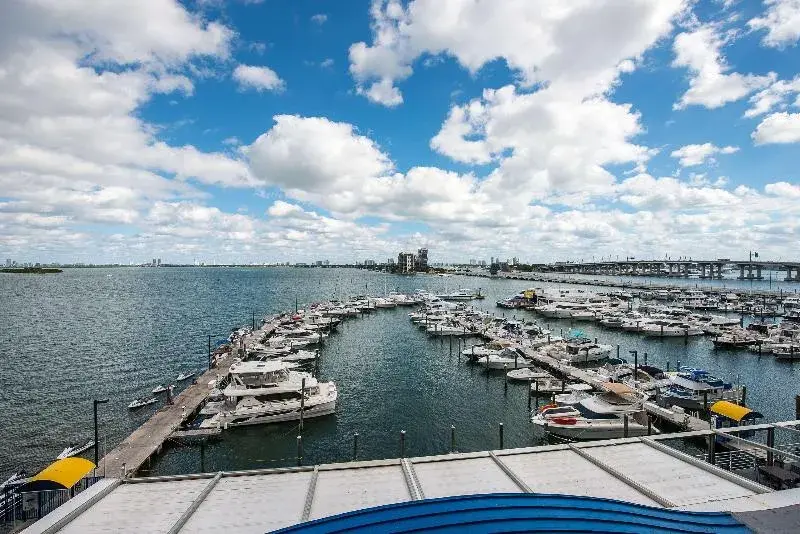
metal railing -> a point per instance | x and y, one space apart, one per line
25 506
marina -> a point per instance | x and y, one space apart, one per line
566 365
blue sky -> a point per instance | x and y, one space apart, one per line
262 131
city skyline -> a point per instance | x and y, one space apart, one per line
252 131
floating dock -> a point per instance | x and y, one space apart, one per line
147 440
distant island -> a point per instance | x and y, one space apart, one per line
30 270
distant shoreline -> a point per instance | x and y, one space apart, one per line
30 270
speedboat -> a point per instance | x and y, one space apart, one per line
186 375
74 450
526 374
507 359
546 386
614 414
580 351
159 389
142 401
733 341
576 394
301 356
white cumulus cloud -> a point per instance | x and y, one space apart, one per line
780 128
690 155
781 21
258 78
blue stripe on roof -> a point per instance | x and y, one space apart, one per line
507 512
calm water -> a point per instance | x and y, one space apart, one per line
116 333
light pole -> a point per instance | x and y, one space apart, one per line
95 402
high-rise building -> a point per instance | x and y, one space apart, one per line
405 262
153 263
8 262
369 263
158 264
421 263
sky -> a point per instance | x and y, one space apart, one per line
299 130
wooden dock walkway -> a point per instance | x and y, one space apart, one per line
147 440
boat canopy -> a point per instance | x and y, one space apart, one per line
60 475
734 411
616 387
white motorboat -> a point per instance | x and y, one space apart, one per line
671 329
74 450
492 348
384 303
301 356
580 351
575 394
508 359
185 375
159 389
270 392
526 374
614 414
140 402
547 386
691 388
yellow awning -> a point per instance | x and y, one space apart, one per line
61 474
733 411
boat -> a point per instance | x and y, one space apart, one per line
186 375
526 374
140 402
574 395
691 389
301 356
733 341
74 450
546 386
663 328
15 479
159 389
580 351
270 392
616 413
507 359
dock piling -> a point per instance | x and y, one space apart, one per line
501 436
299 450
302 402
355 446
712 448
452 438
402 444
625 426
743 401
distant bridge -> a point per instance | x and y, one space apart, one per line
709 269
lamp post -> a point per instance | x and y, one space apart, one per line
95 402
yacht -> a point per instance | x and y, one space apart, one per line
580 351
547 386
691 388
671 329
385 303
601 416
271 392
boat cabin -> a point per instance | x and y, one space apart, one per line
726 414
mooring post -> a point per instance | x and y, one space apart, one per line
452 438
712 443
705 401
771 444
355 446
618 352
402 444
797 407
501 435
625 426
645 358
202 456
743 402
649 425
302 402
209 351
299 450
